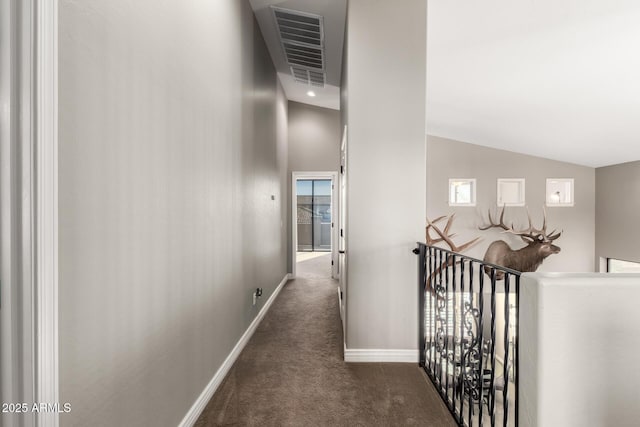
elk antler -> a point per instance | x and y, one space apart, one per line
531 232
543 232
445 236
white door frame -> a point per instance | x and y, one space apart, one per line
342 235
29 193
333 176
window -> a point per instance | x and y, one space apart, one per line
619 266
560 192
511 192
462 192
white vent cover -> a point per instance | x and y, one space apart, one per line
303 75
302 39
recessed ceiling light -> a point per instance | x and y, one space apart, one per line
311 93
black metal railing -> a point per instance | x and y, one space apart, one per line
468 335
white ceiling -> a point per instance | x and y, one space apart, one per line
553 78
334 14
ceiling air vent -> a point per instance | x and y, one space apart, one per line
302 38
316 79
302 75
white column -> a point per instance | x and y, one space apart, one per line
386 74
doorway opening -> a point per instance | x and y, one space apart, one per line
314 215
313 223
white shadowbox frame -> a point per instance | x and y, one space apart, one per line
560 192
511 192
455 190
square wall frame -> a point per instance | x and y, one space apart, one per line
560 192
511 192
462 191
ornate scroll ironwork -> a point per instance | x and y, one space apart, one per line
458 357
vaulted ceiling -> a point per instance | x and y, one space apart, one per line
551 78
556 79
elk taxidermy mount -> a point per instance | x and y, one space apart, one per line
444 236
527 259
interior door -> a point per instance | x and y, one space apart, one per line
342 232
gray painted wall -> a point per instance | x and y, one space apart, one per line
386 170
617 207
453 159
17 231
314 144
172 141
314 138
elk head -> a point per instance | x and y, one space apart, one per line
539 245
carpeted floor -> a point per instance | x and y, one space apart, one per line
292 371
314 265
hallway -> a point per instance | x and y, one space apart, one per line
292 371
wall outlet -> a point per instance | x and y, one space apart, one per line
256 295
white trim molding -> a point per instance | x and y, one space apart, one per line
198 406
46 209
380 355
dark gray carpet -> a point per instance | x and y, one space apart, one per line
292 371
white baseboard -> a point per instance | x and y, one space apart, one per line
198 406
380 355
